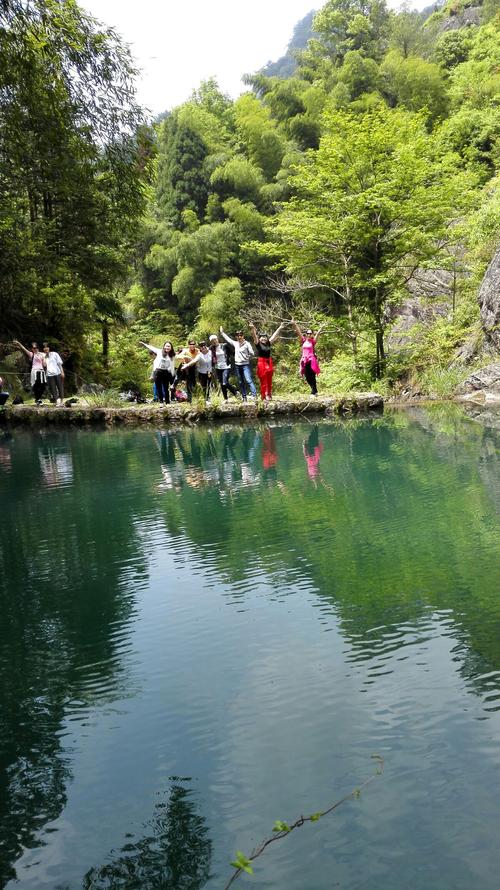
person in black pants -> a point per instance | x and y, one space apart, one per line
204 368
309 365
221 366
3 395
163 368
38 376
187 369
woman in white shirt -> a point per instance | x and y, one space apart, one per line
243 352
163 369
38 362
55 374
222 366
204 367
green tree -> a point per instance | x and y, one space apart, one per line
238 177
181 182
73 159
413 83
407 35
344 25
259 135
375 203
359 74
476 82
453 47
221 306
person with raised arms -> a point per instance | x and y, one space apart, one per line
221 366
163 368
243 352
309 365
204 366
38 363
265 368
188 358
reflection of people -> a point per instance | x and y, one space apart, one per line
4 395
5 454
172 469
265 367
309 365
243 352
56 466
312 452
269 453
55 374
38 363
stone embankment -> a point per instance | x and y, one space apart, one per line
159 415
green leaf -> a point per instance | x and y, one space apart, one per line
281 826
242 862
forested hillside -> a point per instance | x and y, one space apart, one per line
361 191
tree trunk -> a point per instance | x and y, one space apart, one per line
352 329
105 343
380 363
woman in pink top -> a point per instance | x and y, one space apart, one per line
38 361
309 365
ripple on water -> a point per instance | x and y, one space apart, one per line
267 652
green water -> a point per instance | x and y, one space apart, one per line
204 631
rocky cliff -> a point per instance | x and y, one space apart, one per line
489 302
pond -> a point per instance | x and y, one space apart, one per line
206 630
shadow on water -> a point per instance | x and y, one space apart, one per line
388 522
66 572
173 854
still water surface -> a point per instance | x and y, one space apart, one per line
204 631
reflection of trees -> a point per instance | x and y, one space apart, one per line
372 553
58 616
174 854
410 527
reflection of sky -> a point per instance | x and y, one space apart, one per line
272 717
256 691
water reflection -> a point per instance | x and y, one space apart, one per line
401 565
5 452
56 465
173 854
65 606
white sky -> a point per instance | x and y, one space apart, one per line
178 43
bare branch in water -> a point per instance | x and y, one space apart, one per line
281 829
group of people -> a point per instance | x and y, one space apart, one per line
208 363
46 369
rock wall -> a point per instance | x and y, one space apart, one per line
463 19
483 385
489 303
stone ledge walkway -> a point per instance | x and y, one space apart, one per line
178 413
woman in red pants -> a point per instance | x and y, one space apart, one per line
265 367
